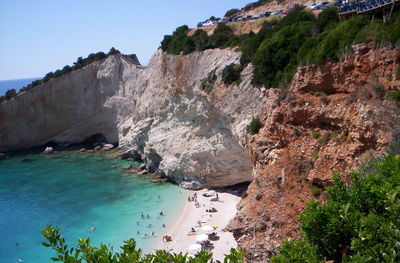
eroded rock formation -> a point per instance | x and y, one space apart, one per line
159 112
334 117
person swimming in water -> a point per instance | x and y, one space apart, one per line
148 216
138 232
149 226
142 215
163 225
161 213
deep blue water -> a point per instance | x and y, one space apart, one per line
16 84
76 192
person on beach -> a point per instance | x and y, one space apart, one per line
199 223
167 238
163 225
192 231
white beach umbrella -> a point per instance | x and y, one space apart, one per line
193 247
207 228
202 237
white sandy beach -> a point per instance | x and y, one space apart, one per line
189 218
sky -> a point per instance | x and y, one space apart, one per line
39 36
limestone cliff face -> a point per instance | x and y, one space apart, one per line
159 111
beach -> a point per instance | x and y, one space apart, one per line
181 230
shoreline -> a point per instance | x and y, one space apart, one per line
190 215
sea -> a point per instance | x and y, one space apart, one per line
79 193
16 84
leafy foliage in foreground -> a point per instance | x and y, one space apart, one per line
359 222
84 252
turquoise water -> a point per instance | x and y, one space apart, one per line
76 192
16 84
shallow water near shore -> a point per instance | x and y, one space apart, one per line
76 192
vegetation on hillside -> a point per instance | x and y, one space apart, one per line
254 126
299 38
358 222
84 252
179 42
80 63
231 73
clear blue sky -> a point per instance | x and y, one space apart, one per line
40 36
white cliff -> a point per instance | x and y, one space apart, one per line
159 111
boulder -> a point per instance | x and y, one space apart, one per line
142 166
48 150
133 154
2 155
82 150
97 148
108 146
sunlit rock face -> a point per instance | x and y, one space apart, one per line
161 112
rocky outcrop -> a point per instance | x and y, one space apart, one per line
334 118
159 113
48 150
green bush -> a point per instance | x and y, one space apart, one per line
315 134
254 126
200 40
395 95
207 83
359 221
85 252
222 34
296 251
9 94
275 59
398 72
231 73
178 42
